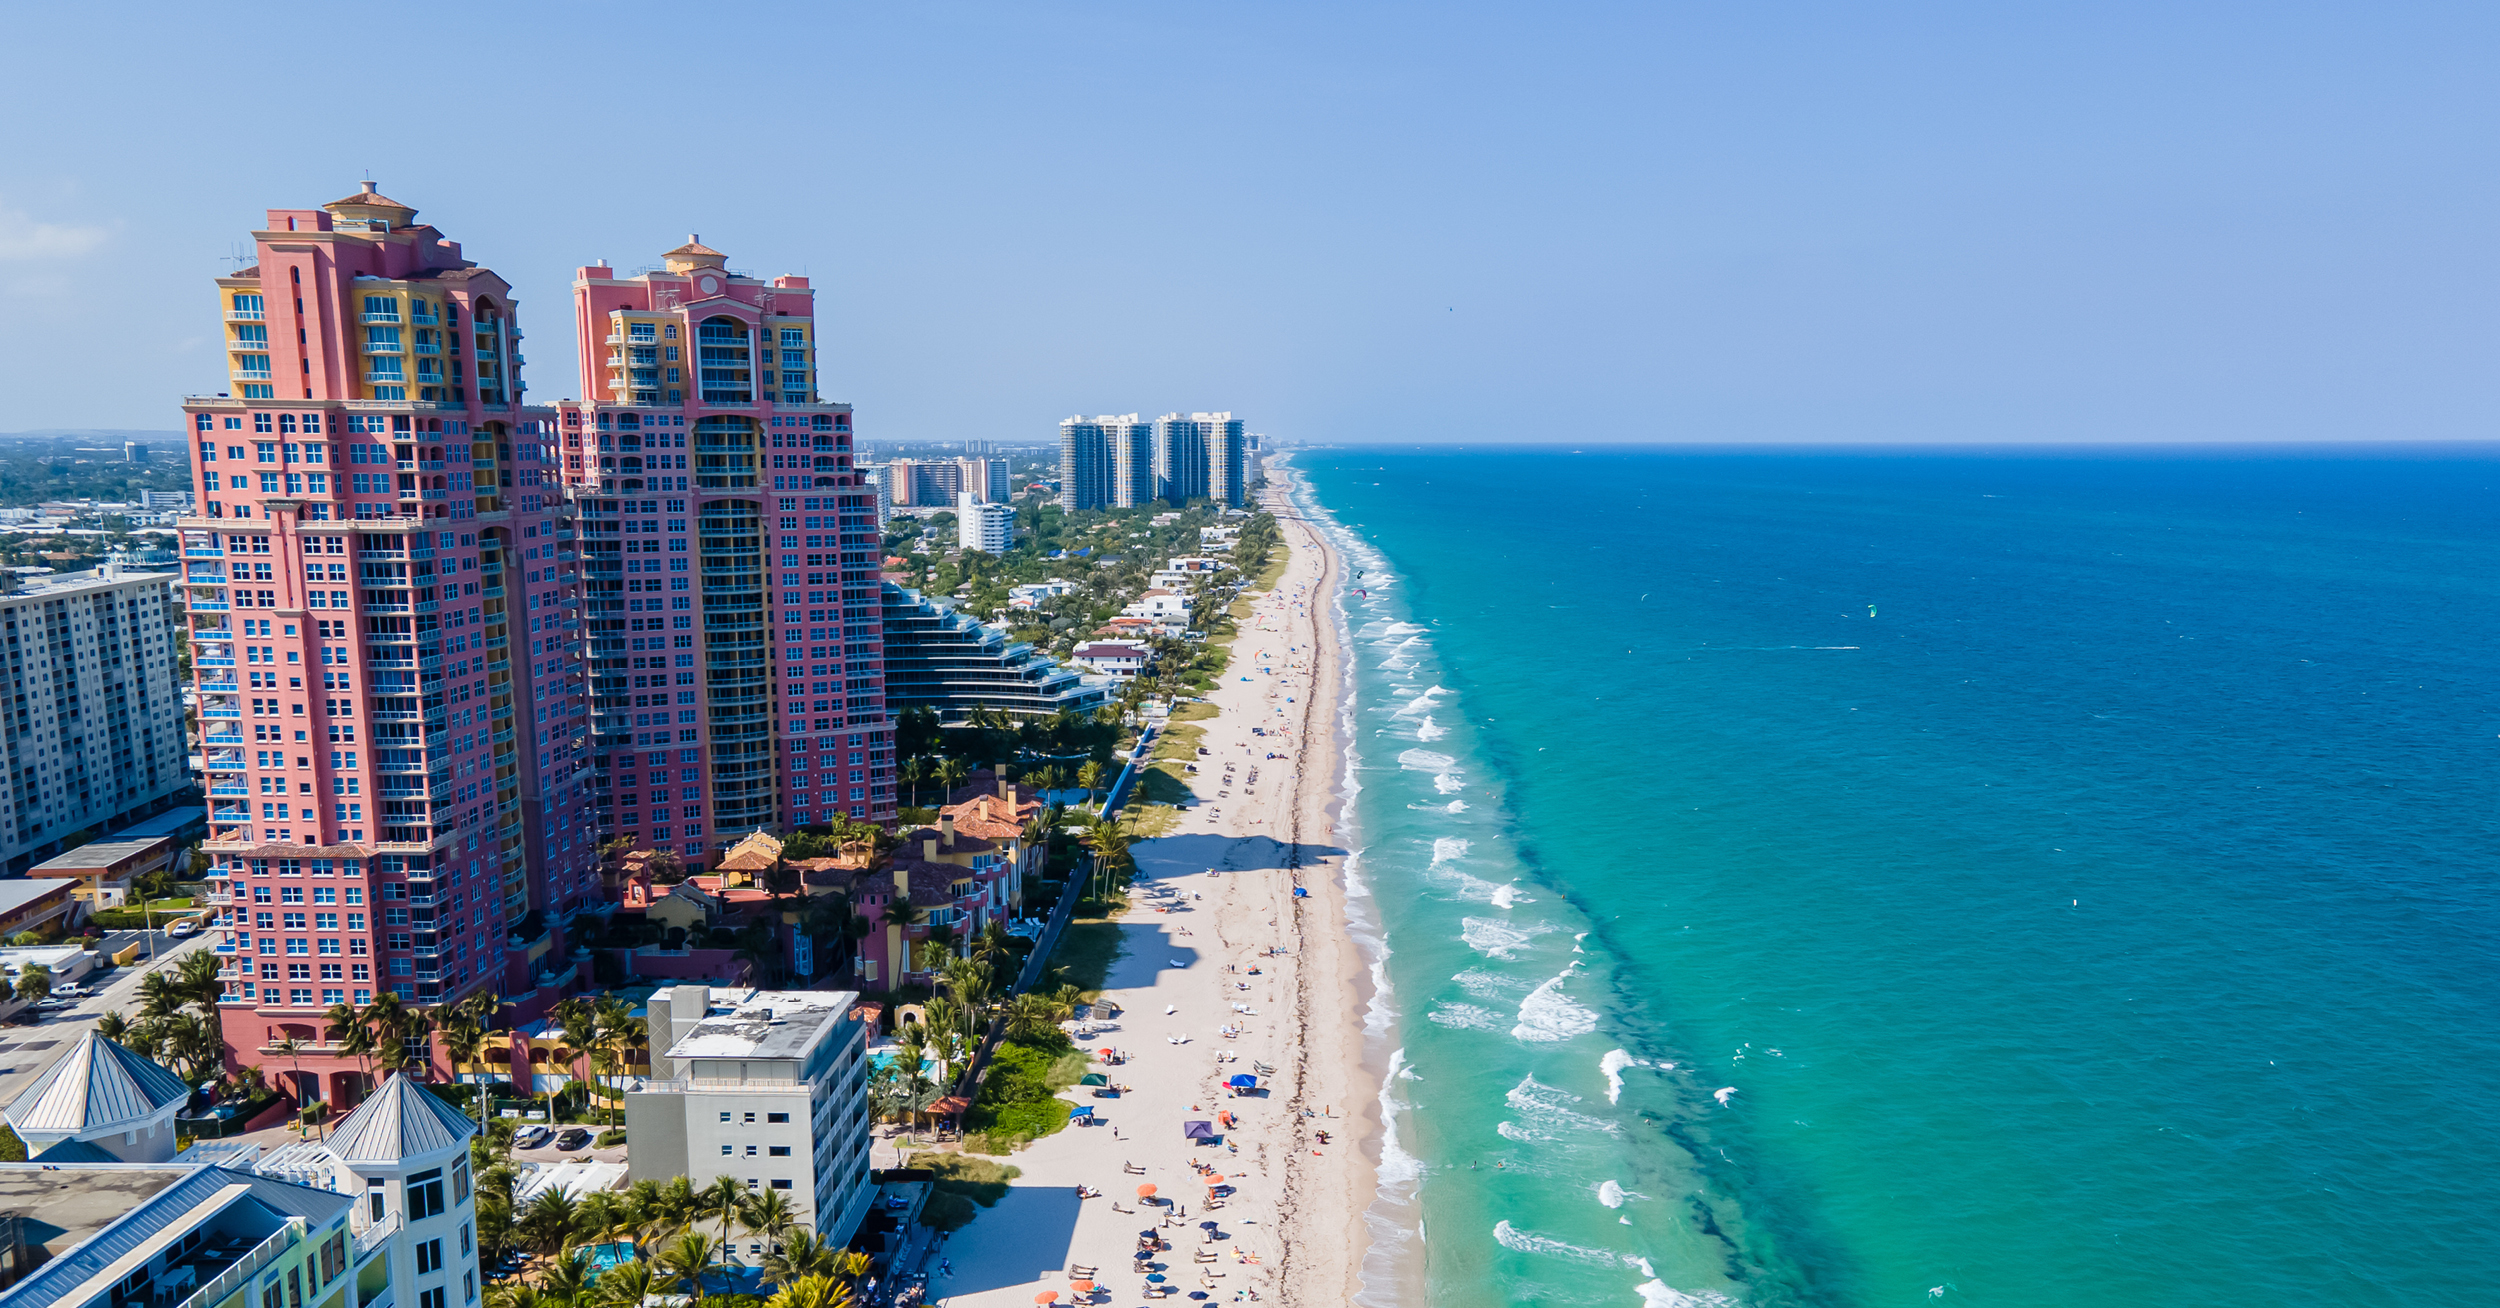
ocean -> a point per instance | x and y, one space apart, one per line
1892 877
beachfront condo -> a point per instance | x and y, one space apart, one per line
382 603
730 549
1120 462
767 1087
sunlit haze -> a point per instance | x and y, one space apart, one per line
1820 222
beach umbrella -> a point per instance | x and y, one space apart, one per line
1206 1226
1047 1296
1155 1278
1094 1078
1244 1081
1146 1191
1081 1287
1197 1294
1214 1180
1146 1234
1082 1110
1197 1130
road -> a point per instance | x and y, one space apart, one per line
25 1051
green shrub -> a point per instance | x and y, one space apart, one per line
613 1137
977 1179
947 1211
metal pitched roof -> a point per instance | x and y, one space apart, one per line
97 1086
401 1120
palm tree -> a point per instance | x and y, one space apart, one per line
347 1029
567 1279
628 1284
159 996
293 1050
811 1292
1089 774
768 1213
800 1253
915 770
112 1026
724 1197
517 1294
462 1041
950 774
548 1222
687 1258
1029 1017
201 977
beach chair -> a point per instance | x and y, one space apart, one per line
1080 1272
1132 1169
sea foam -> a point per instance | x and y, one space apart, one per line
1511 1237
1548 1015
1612 1065
1424 760
1495 939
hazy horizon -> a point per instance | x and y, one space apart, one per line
1936 224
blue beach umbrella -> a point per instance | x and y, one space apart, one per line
1086 1110
1244 1081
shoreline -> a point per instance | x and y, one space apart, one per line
1203 999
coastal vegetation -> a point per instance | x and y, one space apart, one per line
677 1239
961 1185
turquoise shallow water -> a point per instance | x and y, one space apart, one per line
2105 917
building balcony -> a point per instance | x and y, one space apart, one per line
244 315
392 316
428 347
385 379
251 374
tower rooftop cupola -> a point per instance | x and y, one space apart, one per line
400 1121
694 254
370 205
96 1088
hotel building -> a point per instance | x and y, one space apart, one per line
382 598
729 550
766 1087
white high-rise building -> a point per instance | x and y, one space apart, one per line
90 713
769 1087
989 528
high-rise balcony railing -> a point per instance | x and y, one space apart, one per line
243 315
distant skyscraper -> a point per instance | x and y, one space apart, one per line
1085 462
1228 458
1180 457
983 479
989 528
1132 462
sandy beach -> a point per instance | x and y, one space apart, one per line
1224 970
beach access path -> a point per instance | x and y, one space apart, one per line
1223 971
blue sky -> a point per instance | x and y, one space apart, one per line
1800 222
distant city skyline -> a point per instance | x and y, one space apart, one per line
1938 222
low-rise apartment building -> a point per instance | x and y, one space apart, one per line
769 1087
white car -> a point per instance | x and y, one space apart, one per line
189 926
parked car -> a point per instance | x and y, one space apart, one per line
189 926
574 1138
530 1137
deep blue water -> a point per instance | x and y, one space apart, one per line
2077 868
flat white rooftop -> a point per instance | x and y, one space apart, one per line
765 1024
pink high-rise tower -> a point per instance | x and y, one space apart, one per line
733 626
382 596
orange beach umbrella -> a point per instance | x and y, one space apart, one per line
1047 1296
1145 1191
1214 1179
1082 1287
